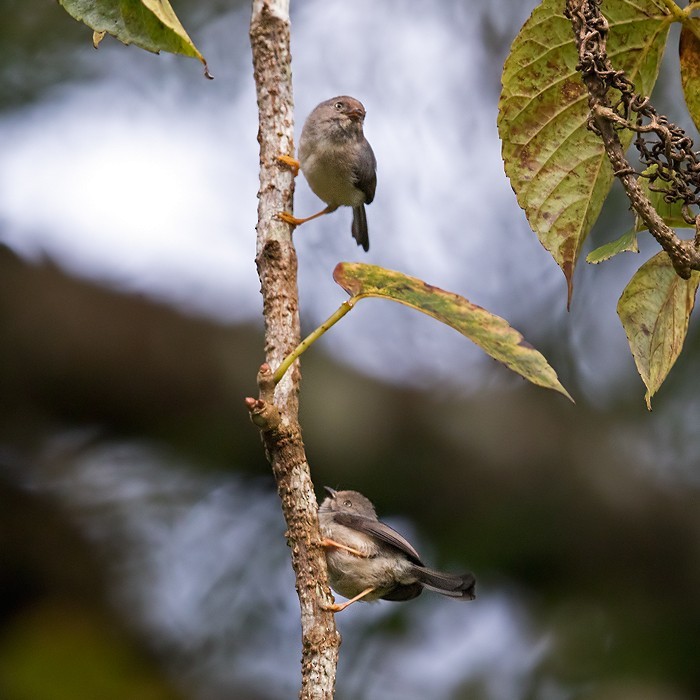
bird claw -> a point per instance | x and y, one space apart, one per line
337 607
289 218
292 163
333 607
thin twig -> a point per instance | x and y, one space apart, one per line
310 339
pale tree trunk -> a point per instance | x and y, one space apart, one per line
275 411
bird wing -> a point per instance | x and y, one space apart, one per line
407 592
381 531
364 175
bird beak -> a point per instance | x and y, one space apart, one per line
357 114
331 491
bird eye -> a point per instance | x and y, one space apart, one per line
338 105
347 504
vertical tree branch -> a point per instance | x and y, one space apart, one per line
276 409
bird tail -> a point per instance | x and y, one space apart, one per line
453 585
359 227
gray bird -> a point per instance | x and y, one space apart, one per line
337 162
369 560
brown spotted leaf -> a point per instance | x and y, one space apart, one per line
689 51
557 167
150 24
490 332
654 309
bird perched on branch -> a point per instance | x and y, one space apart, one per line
368 560
337 162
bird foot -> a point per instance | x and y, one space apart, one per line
337 607
334 607
289 218
292 163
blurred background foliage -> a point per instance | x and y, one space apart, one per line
141 549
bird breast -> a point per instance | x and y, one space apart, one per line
329 172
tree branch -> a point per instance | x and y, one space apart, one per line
590 31
683 254
275 411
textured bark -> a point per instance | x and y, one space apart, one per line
590 29
275 412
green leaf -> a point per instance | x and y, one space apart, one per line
689 52
557 167
150 24
491 333
627 242
654 309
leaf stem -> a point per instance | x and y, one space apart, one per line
683 15
313 337
676 11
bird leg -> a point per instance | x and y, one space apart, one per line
292 163
285 216
332 544
337 607
290 219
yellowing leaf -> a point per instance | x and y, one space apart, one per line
654 309
150 24
491 333
557 167
689 52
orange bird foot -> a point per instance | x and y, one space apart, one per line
337 607
292 163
